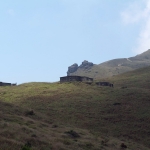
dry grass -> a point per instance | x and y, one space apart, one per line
103 117
115 66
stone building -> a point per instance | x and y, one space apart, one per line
75 78
7 84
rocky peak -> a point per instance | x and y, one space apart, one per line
85 64
72 68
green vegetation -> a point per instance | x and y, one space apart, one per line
53 116
27 146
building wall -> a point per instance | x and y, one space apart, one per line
5 84
74 78
13 84
87 79
70 78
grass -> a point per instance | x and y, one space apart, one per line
102 117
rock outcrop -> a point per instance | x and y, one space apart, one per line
72 68
85 64
111 67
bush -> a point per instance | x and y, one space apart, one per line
54 126
123 145
89 145
73 134
116 103
27 146
30 112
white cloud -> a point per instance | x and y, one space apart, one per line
144 38
11 12
139 12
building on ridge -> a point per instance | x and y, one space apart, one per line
7 84
75 78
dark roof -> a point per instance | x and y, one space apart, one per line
76 76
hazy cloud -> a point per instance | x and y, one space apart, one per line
139 12
144 38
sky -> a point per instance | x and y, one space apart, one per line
39 40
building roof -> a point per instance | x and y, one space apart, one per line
76 76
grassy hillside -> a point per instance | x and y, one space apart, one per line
77 115
115 66
100 71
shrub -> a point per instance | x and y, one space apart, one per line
73 134
116 103
27 146
54 126
30 112
104 142
123 145
89 145
123 87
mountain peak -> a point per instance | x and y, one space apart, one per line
143 56
111 67
84 65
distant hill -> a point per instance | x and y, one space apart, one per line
111 67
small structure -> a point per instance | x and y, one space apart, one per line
13 84
104 84
75 78
7 84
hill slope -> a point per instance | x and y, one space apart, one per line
77 115
112 67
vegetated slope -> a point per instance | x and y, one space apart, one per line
77 115
114 67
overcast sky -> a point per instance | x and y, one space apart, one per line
40 39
